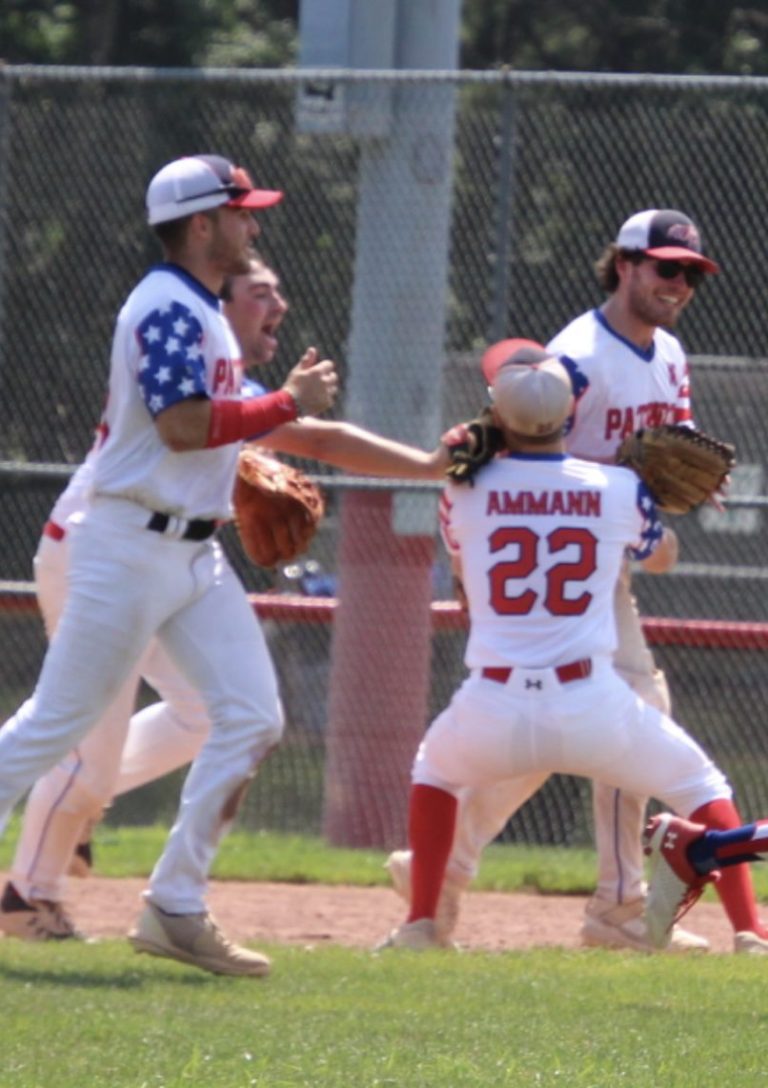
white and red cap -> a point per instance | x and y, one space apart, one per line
535 399
666 234
198 183
514 352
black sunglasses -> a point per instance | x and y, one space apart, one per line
670 270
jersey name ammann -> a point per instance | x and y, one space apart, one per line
582 503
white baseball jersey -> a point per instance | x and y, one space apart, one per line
76 496
171 342
618 387
541 539
74 499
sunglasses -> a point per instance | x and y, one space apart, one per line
670 270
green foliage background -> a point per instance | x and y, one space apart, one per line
673 36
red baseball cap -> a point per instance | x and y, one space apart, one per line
514 352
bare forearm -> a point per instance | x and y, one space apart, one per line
665 555
354 449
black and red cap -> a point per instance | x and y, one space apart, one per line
666 234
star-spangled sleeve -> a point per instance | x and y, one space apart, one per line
651 528
579 384
172 367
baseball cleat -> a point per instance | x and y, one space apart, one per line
194 939
675 884
36 920
416 936
749 943
622 925
398 865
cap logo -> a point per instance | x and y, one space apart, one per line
240 178
685 233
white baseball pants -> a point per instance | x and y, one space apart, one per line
126 585
595 727
164 736
619 815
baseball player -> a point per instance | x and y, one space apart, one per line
168 734
627 371
144 559
538 544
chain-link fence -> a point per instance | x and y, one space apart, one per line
545 169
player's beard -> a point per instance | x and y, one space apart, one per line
231 261
648 309
232 257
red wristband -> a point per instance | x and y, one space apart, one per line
234 420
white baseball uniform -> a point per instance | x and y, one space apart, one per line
618 388
542 540
143 562
125 749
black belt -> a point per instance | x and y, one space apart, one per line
197 529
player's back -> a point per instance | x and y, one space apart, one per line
542 539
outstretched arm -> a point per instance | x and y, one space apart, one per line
355 449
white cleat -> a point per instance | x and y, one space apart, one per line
398 864
416 936
194 939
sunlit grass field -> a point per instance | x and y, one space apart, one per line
101 1017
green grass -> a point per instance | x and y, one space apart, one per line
132 851
101 1017
303 859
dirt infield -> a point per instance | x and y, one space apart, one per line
359 917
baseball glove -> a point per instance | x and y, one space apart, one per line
277 509
471 446
680 466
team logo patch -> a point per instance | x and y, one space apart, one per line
686 233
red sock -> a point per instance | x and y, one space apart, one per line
734 887
431 824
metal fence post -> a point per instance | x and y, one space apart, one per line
497 325
382 635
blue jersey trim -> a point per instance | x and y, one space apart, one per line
646 354
537 456
194 284
652 530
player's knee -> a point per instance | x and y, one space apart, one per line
265 724
259 721
272 732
